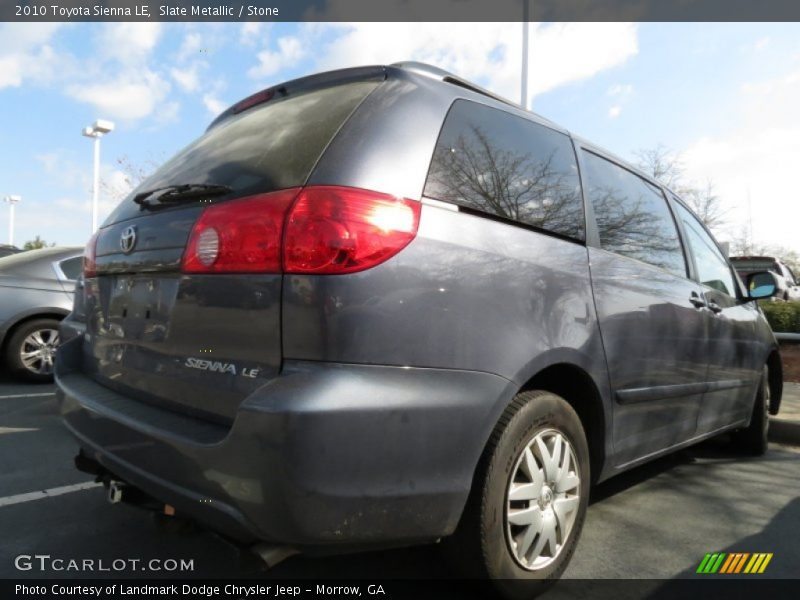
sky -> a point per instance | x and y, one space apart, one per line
723 96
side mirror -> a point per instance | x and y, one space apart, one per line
760 285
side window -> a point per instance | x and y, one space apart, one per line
501 164
71 267
632 216
712 268
787 272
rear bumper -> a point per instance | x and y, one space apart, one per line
324 455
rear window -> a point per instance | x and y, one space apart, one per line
497 163
269 147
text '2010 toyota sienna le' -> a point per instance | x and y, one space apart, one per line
382 306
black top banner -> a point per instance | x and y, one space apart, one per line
400 10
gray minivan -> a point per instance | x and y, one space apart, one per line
382 306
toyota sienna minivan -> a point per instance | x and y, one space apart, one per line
382 306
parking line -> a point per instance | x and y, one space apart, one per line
57 491
27 395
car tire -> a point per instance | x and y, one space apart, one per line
498 537
754 439
36 335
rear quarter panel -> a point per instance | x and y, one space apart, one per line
469 293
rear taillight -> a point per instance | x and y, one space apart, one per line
321 229
89 256
240 236
343 230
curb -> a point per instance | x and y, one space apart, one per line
784 432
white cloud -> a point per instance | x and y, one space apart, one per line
619 89
621 94
214 105
567 52
290 51
761 43
131 95
252 31
27 54
128 43
188 79
122 81
489 53
191 46
758 157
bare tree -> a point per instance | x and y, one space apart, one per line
707 205
662 164
666 166
133 174
473 171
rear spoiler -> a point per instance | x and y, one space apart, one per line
303 84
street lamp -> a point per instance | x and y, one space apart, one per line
95 131
12 200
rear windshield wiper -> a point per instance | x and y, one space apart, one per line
174 194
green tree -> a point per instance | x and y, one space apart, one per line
35 244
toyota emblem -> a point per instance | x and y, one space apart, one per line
128 239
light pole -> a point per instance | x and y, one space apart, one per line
12 200
526 9
524 82
95 131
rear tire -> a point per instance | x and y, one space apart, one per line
537 453
30 351
754 439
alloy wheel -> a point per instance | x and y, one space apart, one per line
38 351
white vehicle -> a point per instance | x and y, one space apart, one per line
788 288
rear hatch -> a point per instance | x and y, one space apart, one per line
746 266
200 343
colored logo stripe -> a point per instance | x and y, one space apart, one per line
734 562
758 563
711 563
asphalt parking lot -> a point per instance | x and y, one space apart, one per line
657 521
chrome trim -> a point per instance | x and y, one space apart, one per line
439 204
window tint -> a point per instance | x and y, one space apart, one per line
269 147
498 163
71 267
712 268
633 218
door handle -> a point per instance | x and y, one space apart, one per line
714 307
697 301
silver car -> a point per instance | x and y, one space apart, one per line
36 291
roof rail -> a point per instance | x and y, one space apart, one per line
447 77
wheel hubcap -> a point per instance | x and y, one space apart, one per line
542 500
38 351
